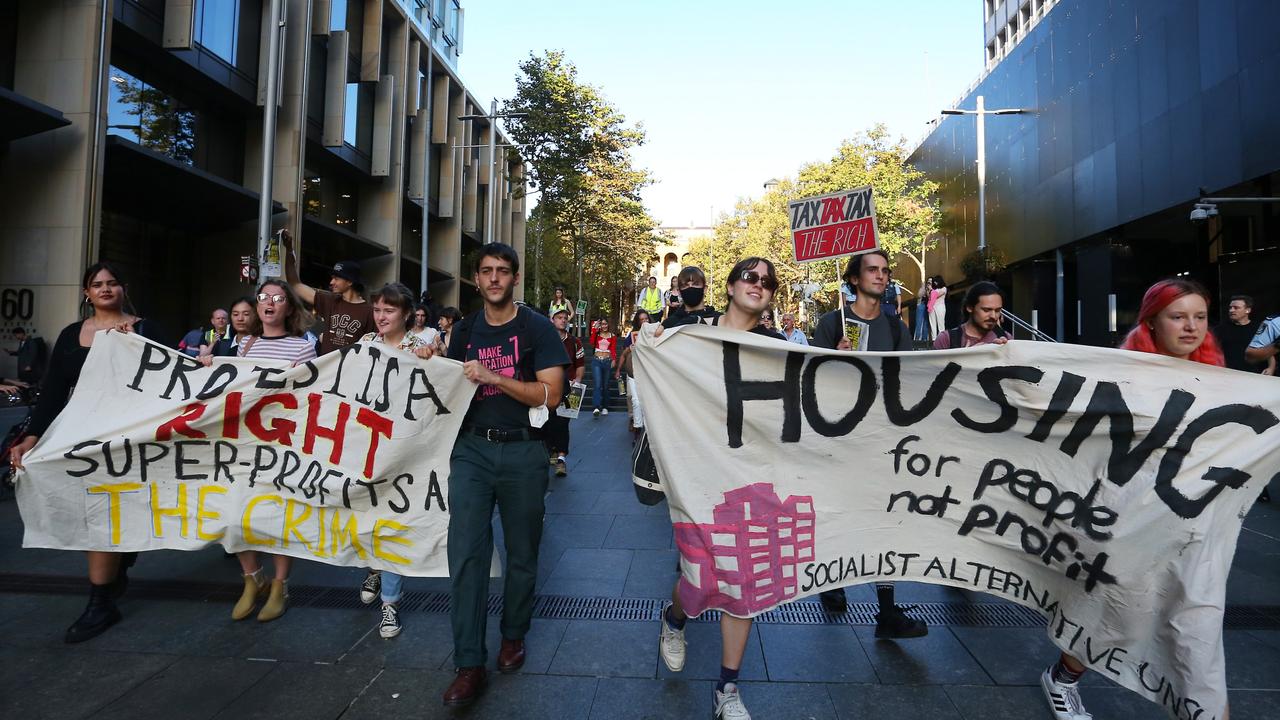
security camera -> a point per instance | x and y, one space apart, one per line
1203 211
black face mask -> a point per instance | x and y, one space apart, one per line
692 296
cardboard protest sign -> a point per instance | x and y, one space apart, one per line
835 225
1102 487
344 459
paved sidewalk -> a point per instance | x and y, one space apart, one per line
178 657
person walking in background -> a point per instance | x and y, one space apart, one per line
983 308
604 346
557 428
32 356
625 373
792 333
892 297
921 330
342 310
449 318
1235 334
650 298
560 302
937 307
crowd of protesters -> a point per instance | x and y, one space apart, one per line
501 458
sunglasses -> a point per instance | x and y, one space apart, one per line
274 298
768 282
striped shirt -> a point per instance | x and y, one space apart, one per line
292 349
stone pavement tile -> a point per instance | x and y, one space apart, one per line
306 635
635 699
639 532
193 687
610 502
814 653
403 693
210 564
1011 656
540 645
1269 637
1260 587
570 502
606 648
787 701
1255 704
16 559
16 605
935 659
533 696
702 660
1118 702
589 572
876 702
1251 663
180 627
661 509
590 482
58 683
425 641
49 619
301 690
575 531
652 574
1000 703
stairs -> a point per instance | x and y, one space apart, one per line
616 402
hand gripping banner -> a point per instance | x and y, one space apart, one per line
1104 488
344 459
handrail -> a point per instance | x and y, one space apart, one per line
1020 323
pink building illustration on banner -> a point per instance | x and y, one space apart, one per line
746 560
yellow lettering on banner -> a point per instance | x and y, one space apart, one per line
291 523
379 538
158 511
347 531
320 533
202 514
245 529
113 493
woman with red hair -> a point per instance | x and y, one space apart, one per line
1173 320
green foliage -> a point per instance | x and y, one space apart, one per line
164 125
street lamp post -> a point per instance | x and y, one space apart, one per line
490 213
982 112
275 49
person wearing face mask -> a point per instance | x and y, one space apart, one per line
692 284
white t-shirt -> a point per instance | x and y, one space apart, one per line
428 336
291 348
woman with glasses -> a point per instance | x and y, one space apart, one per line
750 287
276 332
107 297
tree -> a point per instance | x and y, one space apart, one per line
589 215
164 125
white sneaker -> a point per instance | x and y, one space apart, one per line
728 704
604 411
671 643
596 412
1064 698
371 587
390 625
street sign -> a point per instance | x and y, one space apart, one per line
835 225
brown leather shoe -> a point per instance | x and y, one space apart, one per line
511 656
466 686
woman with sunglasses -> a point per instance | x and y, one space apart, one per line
107 296
393 326
276 332
750 287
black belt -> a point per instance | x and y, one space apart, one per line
498 435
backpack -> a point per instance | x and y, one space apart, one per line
955 333
644 473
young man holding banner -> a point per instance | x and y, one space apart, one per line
867 274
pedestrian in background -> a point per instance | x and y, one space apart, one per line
560 302
604 347
650 298
625 373
921 330
449 318
557 427
937 307
342 310
242 313
32 356
423 325
792 333
1235 334
983 309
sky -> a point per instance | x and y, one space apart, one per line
732 94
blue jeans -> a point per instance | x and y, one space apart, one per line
922 322
601 376
391 584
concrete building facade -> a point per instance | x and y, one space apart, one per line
132 132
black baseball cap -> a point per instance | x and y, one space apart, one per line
348 270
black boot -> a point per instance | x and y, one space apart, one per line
121 583
100 614
834 601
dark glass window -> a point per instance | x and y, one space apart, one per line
330 198
150 117
217 27
357 128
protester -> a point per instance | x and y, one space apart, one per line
32 356
107 295
921 330
867 274
393 322
625 369
892 297
198 341
242 313
557 427
1173 320
650 297
342 310
604 345
499 458
692 283
766 319
937 307
983 307
1235 334
448 319
674 306
276 332
672 290
750 287
560 302
792 333
422 326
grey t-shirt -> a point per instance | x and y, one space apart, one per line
880 332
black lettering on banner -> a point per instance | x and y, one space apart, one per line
429 391
145 460
384 402
73 454
310 479
376 354
315 374
809 397
1255 418
289 464
371 486
111 466
180 461
989 379
342 361
222 465
1126 460
1063 395
260 464
890 370
324 487
145 364
181 366
395 485
265 372
739 391
224 373
434 491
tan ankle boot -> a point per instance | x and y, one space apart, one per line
277 602
254 588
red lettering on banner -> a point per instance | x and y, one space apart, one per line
231 416
335 434
281 430
378 425
181 425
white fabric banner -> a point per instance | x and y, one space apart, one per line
344 459
1102 487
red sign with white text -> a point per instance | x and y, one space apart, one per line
835 225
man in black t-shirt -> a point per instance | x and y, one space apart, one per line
1234 336
516 357
876 332
692 284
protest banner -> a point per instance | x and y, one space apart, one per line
835 225
1104 488
344 459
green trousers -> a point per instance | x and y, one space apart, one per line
513 476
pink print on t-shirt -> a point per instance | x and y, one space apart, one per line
501 359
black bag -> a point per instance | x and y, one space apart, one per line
644 474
